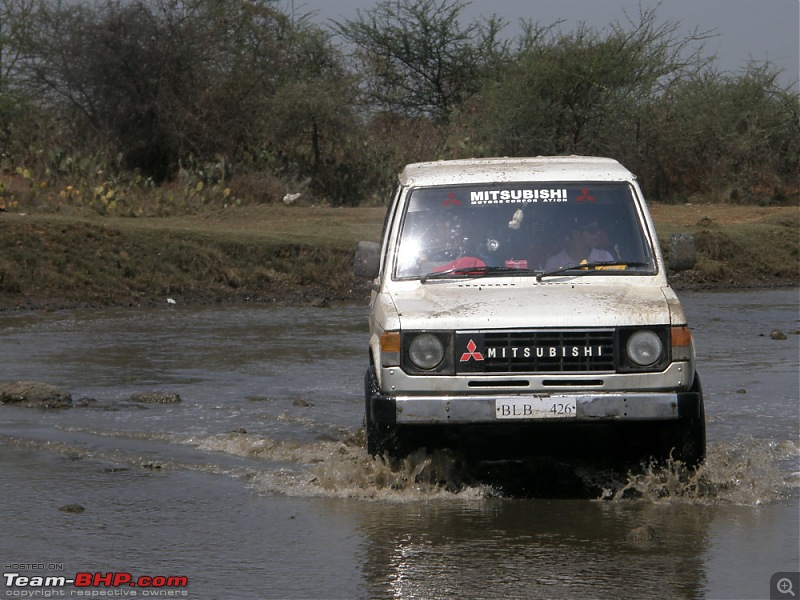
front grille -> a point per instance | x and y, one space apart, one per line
535 351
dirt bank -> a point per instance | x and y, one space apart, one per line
304 254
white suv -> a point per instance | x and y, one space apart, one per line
521 307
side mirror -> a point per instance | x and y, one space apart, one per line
682 254
368 260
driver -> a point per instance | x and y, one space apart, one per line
448 244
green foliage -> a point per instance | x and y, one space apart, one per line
165 106
580 92
417 59
158 79
732 138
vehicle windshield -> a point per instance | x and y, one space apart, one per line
522 228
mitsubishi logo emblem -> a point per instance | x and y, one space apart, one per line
471 352
585 195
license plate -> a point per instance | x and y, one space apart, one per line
535 408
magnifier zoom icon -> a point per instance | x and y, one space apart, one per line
784 586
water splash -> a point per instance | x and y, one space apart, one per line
745 472
418 475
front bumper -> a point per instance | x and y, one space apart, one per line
605 407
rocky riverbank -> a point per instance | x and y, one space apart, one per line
33 394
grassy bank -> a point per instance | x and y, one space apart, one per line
301 253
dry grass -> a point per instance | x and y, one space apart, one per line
737 245
301 253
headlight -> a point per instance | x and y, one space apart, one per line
426 351
644 348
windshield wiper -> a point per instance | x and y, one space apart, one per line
591 268
586 268
482 271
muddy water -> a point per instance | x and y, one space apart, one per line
257 485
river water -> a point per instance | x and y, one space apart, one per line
257 484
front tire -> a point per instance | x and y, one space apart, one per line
381 437
685 440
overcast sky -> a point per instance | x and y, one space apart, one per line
745 30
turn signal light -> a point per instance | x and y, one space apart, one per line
681 340
390 349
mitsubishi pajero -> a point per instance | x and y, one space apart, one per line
521 307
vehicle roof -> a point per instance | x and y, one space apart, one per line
498 170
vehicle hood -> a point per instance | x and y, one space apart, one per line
490 305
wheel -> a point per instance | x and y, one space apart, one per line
681 440
685 440
381 437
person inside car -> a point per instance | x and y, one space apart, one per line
451 243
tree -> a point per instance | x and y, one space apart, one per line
310 127
161 79
16 18
416 58
170 84
582 92
733 138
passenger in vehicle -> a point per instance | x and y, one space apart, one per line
581 244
